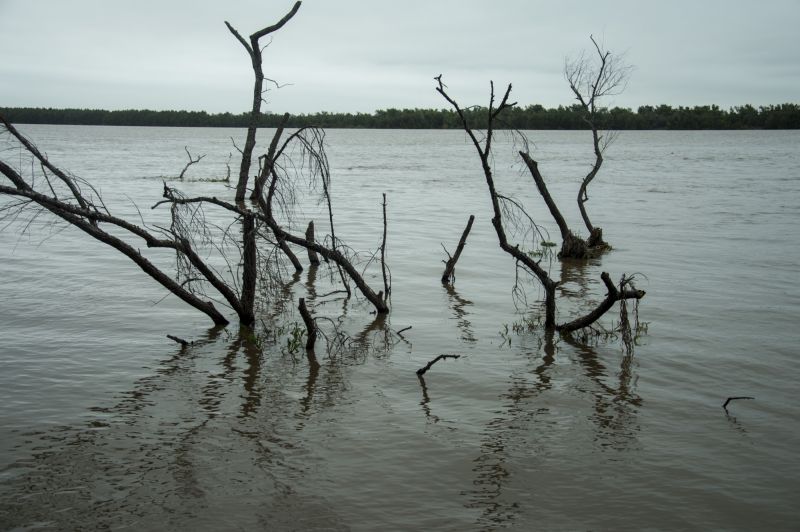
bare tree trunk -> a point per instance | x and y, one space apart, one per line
254 51
250 271
448 277
312 256
583 195
386 286
269 162
311 327
572 246
590 82
484 152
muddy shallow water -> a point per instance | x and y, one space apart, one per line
106 424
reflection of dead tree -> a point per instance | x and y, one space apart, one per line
459 304
591 81
192 160
449 276
483 146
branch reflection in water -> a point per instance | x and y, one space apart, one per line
531 419
180 444
459 306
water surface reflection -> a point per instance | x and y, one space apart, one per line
521 433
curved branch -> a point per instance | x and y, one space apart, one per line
86 220
33 150
612 297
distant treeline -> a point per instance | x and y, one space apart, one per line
783 116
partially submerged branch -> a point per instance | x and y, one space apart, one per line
311 142
88 220
311 327
422 371
613 295
387 290
572 246
484 153
449 276
192 160
524 259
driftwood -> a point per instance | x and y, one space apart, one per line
449 277
612 297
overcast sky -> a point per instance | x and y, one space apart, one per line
363 55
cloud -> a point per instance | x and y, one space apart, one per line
358 55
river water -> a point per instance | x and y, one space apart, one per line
107 424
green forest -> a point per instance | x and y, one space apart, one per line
782 116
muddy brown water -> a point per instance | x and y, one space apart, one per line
106 424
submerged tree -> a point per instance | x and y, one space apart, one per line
246 247
591 79
482 141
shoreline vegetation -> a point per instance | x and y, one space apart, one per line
532 117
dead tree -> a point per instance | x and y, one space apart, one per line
88 213
273 179
592 79
254 50
45 187
483 146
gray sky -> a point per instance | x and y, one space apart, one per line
362 55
